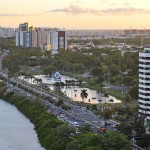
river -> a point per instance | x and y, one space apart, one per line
16 131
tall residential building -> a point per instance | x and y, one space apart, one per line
23 36
57 39
144 84
45 38
33 38
25 39
17 38
23 27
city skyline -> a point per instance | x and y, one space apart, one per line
76 14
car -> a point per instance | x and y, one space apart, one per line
76 124
66 119
101 129
62 115
108 123
83 108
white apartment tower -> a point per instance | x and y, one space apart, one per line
57 39
24 39
144 83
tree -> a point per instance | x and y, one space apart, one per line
85 128
87 107
87 141
98 71
49 70
106 111
31 77
94 108
60 103
114 69
145 141
107 114
64 131
125 128
38 80
138 124
116 141
134 92
83 94
73 145
106 96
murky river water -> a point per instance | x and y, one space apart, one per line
16 131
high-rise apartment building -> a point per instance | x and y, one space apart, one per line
23 36
144 84
23 27
62 40
24 39
33 38
45 38
57 39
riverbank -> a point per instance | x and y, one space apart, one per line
53 134
46 125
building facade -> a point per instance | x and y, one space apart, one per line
57 39
24 39
24 27
7 32
144 84
45 38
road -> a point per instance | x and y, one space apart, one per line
76 114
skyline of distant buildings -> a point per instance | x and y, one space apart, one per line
10 32
56 39
7 32
45 38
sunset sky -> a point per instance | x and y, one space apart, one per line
76 14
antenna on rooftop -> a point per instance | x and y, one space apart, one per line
142 38
142 41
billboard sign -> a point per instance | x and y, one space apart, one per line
57 76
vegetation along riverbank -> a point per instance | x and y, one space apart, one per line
53 134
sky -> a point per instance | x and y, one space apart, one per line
76 14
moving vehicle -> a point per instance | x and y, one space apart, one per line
101 129
76 124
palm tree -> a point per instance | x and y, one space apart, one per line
38 80
106 96
106 113
83 94
31 77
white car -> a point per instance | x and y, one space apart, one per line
76 124
62 115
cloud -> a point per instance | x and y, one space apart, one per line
127 10
126 4
76 10
72 9
18 15
11 15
